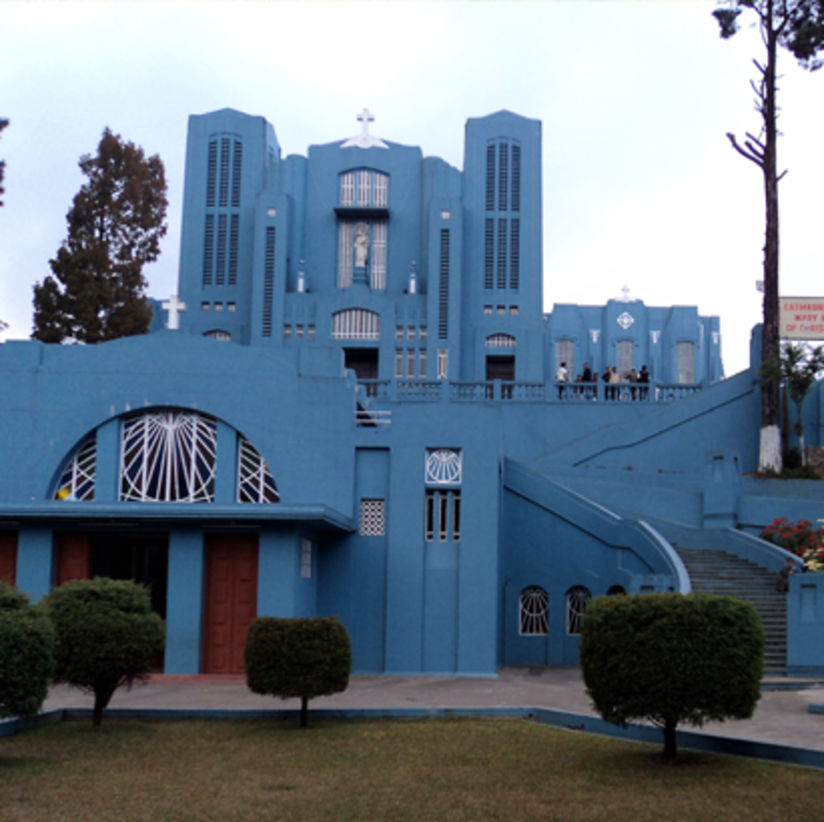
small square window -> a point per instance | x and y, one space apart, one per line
487 309
311 330
299 332
513 310
271 212
287 331
231 306
398 332
218 306
445 215
423 332
205 305
410 332
502 309
305 558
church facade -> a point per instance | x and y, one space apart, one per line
351 408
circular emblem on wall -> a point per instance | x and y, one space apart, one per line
444 466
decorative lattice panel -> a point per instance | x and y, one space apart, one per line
372 517
577 600
444 466
534 611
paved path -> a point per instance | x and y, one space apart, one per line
781 716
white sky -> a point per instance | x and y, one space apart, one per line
641 187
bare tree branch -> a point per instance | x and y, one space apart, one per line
753 158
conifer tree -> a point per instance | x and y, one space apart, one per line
798 26
115 225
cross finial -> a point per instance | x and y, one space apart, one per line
174 306
625 294
366 117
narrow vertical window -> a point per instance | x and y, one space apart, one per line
533 607
268 280
577 599
422 363
429 516
399 362
208 249
381 190
515 253
443 286
305 558
347 189
211 174
363 188
377 256
443 361
503 175
515 204
234 225
220 273
489 252
410 363
685 353
442 521
373 517
501 267
237 163
490 178
456 515
346 239
223 191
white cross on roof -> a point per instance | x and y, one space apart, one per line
174 306
364 139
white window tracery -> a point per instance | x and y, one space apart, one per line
533 612
577 599
500 341
77 478
356 324
444 466
168 456
255 483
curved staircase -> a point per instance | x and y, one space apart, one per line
715 572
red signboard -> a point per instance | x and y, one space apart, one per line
801 318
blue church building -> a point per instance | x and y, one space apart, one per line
355 405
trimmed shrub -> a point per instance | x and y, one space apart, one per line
297 657
26 654
106 635
671 658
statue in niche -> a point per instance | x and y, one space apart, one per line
361 246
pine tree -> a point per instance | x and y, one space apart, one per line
798 26
114 228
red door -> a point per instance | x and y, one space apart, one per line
74 557
231 601
8 557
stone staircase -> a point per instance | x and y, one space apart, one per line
716 572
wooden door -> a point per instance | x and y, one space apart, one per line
8 557
74 557
231 601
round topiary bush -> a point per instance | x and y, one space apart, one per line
107 635
671 658
297 657
26 654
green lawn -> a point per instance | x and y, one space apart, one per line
476 769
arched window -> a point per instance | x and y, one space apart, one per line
168 456
356 324
77 477
577 599
500 341
615 590
255 482
218 334
533 608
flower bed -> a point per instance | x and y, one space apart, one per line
799 538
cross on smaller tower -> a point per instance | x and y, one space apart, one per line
366 117
625 294
174 306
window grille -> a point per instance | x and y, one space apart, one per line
501 263
223 191
442 515
76 481
422 363
489 252
356 324
347 189
490 177
533 609
685 353
398 362
372 517
500 341
234 227
237 162
514 253
565 352
211 174
381 190
444 466
168 456
255 483
443 362
577 599
218 334
268 280
377 256
515 205
410 363
305 558
503 175
625 352
221 249
443 286
346 240
363 187
208 248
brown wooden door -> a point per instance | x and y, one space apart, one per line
231 601
8 557
74 557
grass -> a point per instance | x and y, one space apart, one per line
379 769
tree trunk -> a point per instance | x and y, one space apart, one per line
770 446
102 697
669 740
304 711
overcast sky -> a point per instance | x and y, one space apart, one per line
641 187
